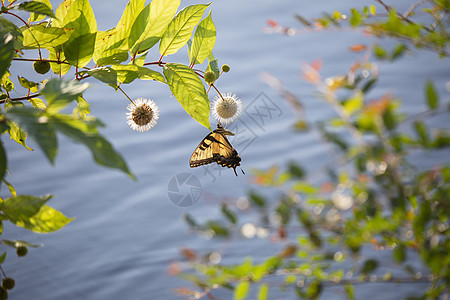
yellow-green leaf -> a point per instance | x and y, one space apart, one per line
40 36
46 220
35 16
128 73
58 55
203 42
241 290
189 91
78 15
150 25
107 48
263 291
180 29
22 208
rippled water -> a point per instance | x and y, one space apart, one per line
126 233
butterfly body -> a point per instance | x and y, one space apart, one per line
215 147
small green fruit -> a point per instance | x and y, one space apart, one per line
226 68
3 293
22 251
210 77
8 283
41 66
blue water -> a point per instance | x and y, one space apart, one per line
127 233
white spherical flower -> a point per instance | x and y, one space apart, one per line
227 108
142 114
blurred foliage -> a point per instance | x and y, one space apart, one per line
376 212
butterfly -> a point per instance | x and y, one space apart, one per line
215 147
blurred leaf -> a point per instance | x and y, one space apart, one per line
6 45
295 170
355 18
350 291
399 253
304 187
241 290
11 189
21 208
2 257
421 131
190 221
288 251
301 125
257 199
37 127
398 52
379 52
59 93
85 132
432 96
263 291
45 220
354 103
369 266
283 211
218 228
189 91
231 216
369 85
3 163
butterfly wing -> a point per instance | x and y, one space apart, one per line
215 147
204 153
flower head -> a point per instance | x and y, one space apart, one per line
227 108
143 114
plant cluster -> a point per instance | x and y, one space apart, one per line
375 211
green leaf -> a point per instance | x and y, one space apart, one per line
431 95
3 164
189 91
78 15
379 52
6 26
37 127
104 74
150 25
180 29
241 290
263 291
36 7
22 208
41 36
2 257
35 17
46 220
85 132
203 42
218 228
